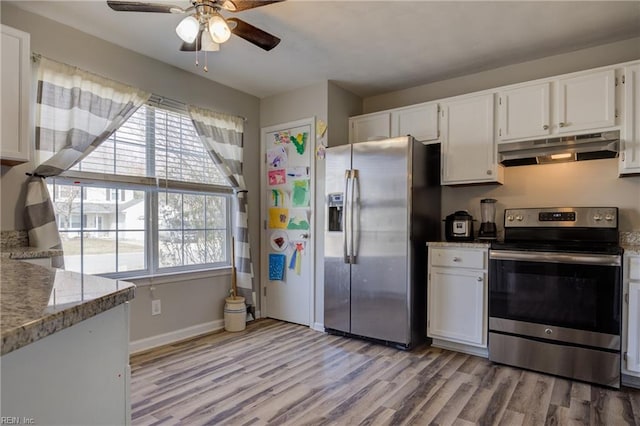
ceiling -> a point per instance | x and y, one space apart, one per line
367 47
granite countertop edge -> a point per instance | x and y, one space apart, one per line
29 252
470 244
33 331
633 249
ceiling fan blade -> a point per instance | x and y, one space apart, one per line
136 6
250 4
253 34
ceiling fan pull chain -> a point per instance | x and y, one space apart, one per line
197 63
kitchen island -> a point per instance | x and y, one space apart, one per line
65 338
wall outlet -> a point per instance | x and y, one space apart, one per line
156 308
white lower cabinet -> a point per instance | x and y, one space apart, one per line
76 376
457 298
631 316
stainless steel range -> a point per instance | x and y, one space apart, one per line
555 287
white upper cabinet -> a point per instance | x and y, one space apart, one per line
630 141
524 112
15 74
419 121
558 107
468 142
586 102
370 127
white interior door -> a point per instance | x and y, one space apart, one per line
287 206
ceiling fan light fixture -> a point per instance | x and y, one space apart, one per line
188 29
218 29
208 45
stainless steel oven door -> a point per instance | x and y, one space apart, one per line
558 313
574 291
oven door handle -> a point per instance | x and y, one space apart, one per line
555 257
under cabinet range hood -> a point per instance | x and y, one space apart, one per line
593 146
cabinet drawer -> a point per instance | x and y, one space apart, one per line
634 268
459 258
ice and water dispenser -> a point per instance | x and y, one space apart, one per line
335 204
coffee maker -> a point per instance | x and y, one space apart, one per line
488 230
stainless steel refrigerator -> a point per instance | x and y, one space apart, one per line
382 206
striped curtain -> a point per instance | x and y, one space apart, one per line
221 135
75 112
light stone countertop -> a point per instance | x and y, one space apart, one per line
471 244
632 249
36 302
630 242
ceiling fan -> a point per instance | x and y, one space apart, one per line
204 28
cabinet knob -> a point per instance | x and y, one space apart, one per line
456 259
563 124
548 331
480 279
489 172
545 127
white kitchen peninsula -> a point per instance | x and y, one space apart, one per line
65 338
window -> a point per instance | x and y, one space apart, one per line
147 200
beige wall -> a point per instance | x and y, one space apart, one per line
606 54
586 183
185 303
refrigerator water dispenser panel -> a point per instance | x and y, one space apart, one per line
335 204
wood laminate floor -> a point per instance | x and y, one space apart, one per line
276 373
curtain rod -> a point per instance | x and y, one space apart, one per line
154 99
172 103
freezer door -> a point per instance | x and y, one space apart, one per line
337 273
380 275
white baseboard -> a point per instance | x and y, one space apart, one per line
631 381
318 326
459 347
174 336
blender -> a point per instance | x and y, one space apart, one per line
488 230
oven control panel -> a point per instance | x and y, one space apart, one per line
590 217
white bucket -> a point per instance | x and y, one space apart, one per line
235 314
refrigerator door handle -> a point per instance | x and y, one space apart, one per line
355 215
346 231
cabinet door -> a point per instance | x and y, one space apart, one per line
468 145
586 102
456 306
15 76
370 127
633 330
630 143
421 122
524 112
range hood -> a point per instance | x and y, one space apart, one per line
593 146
